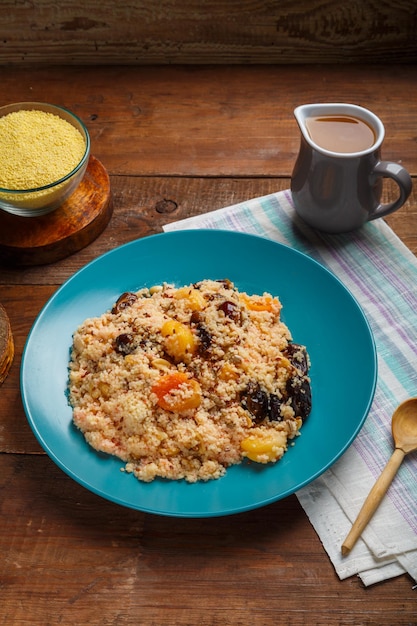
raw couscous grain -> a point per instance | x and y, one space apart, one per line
181 383
37 148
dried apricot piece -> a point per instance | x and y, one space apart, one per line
194 298
260 303
176 392
264 447
179 340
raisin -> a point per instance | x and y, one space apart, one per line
196 317
124 301
231 310
124 343
205 338
226 283
274 408
255 400
297 355
299 393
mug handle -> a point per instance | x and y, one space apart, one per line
400 175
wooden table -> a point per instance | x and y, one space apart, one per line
179 141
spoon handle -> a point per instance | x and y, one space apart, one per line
372 501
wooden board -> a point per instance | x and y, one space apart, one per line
6 344
76 223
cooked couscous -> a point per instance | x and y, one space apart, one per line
181 383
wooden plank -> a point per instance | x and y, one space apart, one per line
70 557
238 31
137 213
227 121
139 210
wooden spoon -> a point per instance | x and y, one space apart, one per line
404 432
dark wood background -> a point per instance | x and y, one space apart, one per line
208 31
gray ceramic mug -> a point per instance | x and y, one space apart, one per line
335 191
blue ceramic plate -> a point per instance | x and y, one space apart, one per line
318 309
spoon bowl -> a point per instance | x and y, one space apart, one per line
404 426
404 432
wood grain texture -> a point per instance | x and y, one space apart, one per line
238 31
136 215
177 142
26 241
69 557
6 344
216 121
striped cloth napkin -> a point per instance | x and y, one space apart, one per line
382 274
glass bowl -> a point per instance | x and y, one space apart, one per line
44 199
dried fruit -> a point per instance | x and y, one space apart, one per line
179 340
255 400
274 408
299 392
193 297
262 405
263 447
176 392
124 301
124 343
231 310
261 303
205 338
297 354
